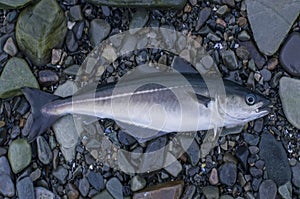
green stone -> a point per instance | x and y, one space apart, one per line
19 155
12 4
39 29
178 4
16 74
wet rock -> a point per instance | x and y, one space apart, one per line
84 187
25 188
296 175
274 155
271 13
229 59
139 20
99 30
267 189
211 192
171 190
289 92
213 177
44 151
7 187
96 180
75 13
137 183
115 188
41 192
228 173
244 36
8 4
178 4
10 47
19 155
15 75
71 42
203 16
38 32
47 77
285 190
254 53
61 174
242 154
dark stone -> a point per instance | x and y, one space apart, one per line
71 42
296 175
60 174
256 173
96 180
125 138
228 174
255 183
78 29
266 74
7 187
267 190
25 188
258 125
251 139
115 188
290 53
48 77
254 53
194 153
44 151
84 187
230 3
99 30
275 157
75 13
242 154
203 16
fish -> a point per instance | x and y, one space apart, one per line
149 105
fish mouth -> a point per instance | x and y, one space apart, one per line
264 107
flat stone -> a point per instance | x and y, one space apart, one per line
211 192
177 4
267 17
84 187
103 195
222 10
267 189
229 59
115 188
275 157
170 190
139 20
137 183
203 16
285 190
61 174
71 191
75 13
7 187
242 53
289 92
290 54
242 154
15 75
296 175
38 32
44 151
19 155
96 180
254 53
228 173
244 36
25 188
71 42
174 167
47 77
4 166
41 192
10 47
99 30
213 177
9 4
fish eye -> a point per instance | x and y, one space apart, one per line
250 99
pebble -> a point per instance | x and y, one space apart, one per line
285 190
47 77
193 152
84 187
229 59
244 36
242 154
170 190
213 177
71 191
75 13
10 47
289 92
15 75
96 180
4 4
222 10
7 187
242 53
251 139
211 192
38 32
25 189
4 166
137 183
242 21
56 56
254 53
78 29
125 138
258 125
72 70
19 155
203 16
256 173
115 188
139 20
35 175
103 195
61 174
275 157
230 3
266 74
267 189
71 42
213 37
296 175
44 151
41 193
228 173
263 30
99 30
175 167
272 63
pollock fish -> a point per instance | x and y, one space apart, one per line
150 105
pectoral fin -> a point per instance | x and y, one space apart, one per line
201 98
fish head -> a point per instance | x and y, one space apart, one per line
243 105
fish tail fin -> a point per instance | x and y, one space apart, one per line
40 121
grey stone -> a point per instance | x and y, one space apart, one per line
285 190
213 177
99 30
137 183
173 165
41 193
25 189
244 36
38 32
296 175
289 92
15 75
229 59
103 195
222 10
44 151
96 180
203 16
8 4
275 157
7 187
75 13
139 20
289 54
213 37
115 188
228 173
10 47
254 53
4 166
61 174
211 192
267 17
84 187
47 77
19 155
267 189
